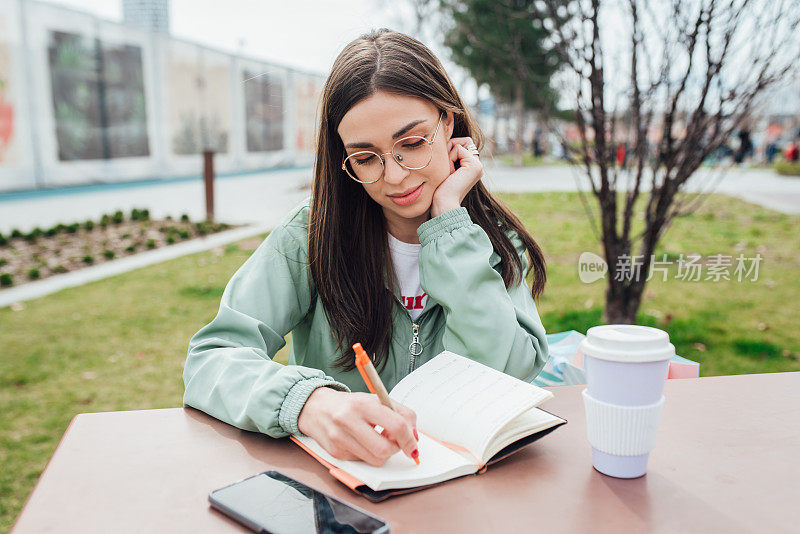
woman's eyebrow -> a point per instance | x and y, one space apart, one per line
395 135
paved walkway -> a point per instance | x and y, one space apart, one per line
760 186
264 198
261 200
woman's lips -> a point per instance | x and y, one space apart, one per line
409 198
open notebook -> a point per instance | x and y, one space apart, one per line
468 417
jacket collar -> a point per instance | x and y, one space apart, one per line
494 260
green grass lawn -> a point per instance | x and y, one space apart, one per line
120 343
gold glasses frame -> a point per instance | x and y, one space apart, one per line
397 157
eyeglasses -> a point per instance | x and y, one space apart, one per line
414 153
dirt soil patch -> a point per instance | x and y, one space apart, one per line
38 254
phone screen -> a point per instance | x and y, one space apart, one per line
275 503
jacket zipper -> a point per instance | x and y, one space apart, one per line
415 347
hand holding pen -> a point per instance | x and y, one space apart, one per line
344 424
375 385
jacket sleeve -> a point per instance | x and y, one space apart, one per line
229 372
483 320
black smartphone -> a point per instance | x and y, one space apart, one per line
275 503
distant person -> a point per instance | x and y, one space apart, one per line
792 152
401 247
537 148
771 151
745 147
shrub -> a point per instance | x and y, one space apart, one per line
89 225
139 215
33 274
33 235
105 220
72 228
16 234
151 243
109 254
185 218
170 239
59 269
6 280
3 262
3 240
88 259
787 168
130 248
118 217
201 228
184 234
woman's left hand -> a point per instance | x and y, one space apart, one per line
454 188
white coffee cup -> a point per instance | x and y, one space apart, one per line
626 367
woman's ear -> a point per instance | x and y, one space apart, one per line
449 124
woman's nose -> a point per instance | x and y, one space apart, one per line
393 172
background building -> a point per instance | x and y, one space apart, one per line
151 15
87 100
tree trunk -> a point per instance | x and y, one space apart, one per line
492 145
622 302
520 114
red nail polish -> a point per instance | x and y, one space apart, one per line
415 454
416 436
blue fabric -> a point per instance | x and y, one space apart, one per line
559 369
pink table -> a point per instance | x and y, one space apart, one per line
726 460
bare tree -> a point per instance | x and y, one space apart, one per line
694 69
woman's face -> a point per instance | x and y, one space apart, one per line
375 124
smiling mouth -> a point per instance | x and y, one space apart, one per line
406 193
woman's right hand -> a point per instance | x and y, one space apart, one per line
343 423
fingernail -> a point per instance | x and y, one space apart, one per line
416 436
415 455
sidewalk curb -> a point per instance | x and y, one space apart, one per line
53 284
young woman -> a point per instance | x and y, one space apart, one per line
400 248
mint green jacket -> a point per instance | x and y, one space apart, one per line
229 372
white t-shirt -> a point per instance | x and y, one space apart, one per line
405 258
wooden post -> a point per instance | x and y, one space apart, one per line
208 178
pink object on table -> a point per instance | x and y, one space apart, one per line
683 368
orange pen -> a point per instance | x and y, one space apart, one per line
373 381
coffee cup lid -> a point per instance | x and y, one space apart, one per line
627 343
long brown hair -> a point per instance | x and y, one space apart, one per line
347 244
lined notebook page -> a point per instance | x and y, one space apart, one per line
437 463
461 401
